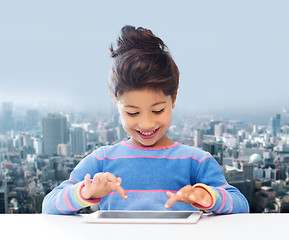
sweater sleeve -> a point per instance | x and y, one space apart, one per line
226 198
66 198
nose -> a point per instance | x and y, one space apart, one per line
146 121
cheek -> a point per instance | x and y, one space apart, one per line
127 122
167 119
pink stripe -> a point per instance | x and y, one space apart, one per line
153 157
56 204
231 204
96 156
66 200
226 184
224 200
70 180
145 191
209 156
149 148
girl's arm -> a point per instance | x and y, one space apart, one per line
226 198
211 192
66 198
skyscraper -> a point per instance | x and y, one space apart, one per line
3 200
54 128
219 129
275 124
198 138
7 116
77 141
32 118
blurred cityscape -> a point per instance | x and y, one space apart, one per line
38 150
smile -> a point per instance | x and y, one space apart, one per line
149 134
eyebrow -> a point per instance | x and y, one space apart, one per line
155 104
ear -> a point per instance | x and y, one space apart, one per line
174 99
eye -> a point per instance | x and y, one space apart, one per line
159 112
132 114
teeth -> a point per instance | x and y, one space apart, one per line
147 133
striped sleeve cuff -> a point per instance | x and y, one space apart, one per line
80 199
214 196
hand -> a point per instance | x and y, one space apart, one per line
101 185
189 195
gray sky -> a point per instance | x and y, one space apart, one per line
232 55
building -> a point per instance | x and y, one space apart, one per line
248 169
54 128
63 149
38 145
212 127
77 141
219 129
258 173
32 119
275 124
3 201
198 138
7 117
215 149
228 161
233 174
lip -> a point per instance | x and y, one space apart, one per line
148 136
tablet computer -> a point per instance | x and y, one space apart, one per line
143 217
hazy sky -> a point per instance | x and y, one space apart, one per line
231 54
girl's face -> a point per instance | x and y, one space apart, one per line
146 115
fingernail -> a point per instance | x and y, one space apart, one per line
166 206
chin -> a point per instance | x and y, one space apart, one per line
147 144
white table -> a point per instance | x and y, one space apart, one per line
239 226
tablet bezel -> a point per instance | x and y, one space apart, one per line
96 217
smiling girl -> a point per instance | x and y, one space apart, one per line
149 171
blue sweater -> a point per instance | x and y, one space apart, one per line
147 174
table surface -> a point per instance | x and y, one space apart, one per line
41 226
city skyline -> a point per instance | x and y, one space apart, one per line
19 110
233 56
40 151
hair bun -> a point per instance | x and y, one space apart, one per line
137 38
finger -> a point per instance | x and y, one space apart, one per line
117 187
121 191
109 177
87 179
174 198
170 194
115 183
97 178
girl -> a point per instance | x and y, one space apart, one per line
149 171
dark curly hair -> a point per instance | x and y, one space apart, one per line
142 60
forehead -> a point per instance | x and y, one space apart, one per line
143 97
